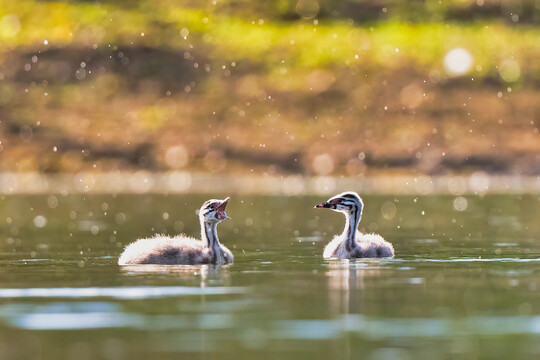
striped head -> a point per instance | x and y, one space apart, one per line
344 202
213 211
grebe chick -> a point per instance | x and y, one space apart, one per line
184 250
352 243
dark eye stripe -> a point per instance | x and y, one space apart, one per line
350 203
209 208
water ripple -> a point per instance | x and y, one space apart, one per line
518 260
124 292
407 328
100 316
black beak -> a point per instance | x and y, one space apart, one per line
325 205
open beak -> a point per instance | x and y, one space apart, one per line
221 208
325 205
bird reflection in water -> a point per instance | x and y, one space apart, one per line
347 283
203 274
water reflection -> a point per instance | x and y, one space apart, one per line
409 328
121 292
350 274
457 288
346 282
480 259
93 315
216 274
89 315
345 279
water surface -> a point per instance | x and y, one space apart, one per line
464 282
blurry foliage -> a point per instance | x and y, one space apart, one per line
222 32
269 85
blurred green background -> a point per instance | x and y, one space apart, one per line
351 87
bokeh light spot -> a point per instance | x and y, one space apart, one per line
323 164
460 203
510 70
458 61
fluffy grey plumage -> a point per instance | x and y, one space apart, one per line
184 250
369 245
352 243
165 250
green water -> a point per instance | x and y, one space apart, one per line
463 284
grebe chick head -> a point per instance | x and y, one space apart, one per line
213 211
345 202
